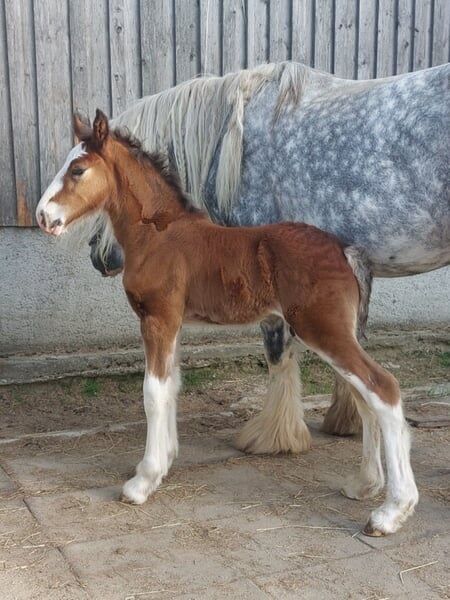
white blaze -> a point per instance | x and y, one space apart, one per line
51 209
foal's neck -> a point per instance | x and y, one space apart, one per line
144 196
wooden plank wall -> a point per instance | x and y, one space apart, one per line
61 55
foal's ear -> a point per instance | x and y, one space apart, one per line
81 127
101 128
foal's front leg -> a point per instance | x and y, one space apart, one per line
161 386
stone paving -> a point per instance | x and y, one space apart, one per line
223 525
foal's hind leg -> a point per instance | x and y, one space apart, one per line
331 338
279 427
383 398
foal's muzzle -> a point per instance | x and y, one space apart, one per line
47 224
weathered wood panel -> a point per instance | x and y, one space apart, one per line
345 24
385 38
89 48
22 82
233 40
303 24
280 30
56 56
8 211
187 37
157 46
257 32
323 47
422 35
210 37
405 29
51 23
441 32
125 44
367 39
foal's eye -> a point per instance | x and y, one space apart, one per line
77 171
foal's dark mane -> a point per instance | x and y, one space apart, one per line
159 162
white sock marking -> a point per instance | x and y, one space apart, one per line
162 444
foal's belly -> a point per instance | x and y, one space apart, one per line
228 317
223 308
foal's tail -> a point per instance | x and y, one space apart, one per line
360 265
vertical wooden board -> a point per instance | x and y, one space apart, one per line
345 38
422 33
187 57
22 78
157 46
53 85
125 48
323 47
233 42
441 32
367 33
90 55
405 28
303 31
257 32
280 30
385 38
210 34
7 184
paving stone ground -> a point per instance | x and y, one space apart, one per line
222 525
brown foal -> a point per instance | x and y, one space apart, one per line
179 266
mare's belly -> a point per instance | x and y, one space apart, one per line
398 261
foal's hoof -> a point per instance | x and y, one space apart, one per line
135 491
372 531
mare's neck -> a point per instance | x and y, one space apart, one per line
143 198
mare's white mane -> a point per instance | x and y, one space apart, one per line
188 121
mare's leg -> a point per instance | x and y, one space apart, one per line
279 427
332 337
161 385
342 418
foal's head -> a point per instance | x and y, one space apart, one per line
86 180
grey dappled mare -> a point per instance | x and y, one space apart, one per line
366 160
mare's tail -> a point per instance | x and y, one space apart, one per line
360 265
